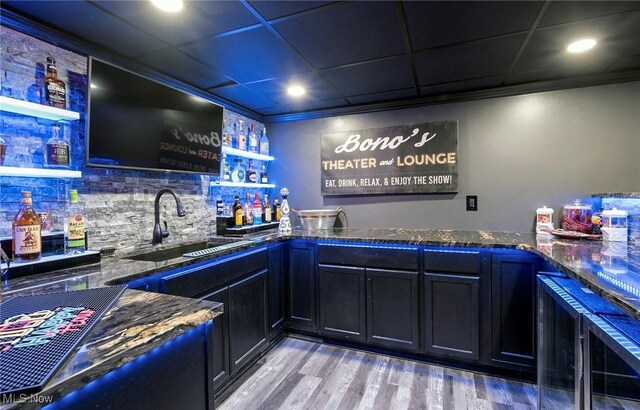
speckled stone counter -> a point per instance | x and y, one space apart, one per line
136 324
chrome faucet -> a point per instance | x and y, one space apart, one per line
159 233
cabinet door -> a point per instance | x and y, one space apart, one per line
513 310
276 289
247 319
342 302
452 315
301 288
392 309
220 339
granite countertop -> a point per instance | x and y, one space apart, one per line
609 269
137 323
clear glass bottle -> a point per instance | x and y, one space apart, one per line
253 139
257 210
238 174
266 214
248 211
56 149
234 136
226 137
264 179
53 90
264 142
225 171
252 175
26 232
3 150
75 240
242 138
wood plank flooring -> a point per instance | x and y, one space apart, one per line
299 374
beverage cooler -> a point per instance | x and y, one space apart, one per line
588 350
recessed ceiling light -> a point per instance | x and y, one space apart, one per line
581 46
170 6
296 91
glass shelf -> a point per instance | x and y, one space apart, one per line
242 184
39 172
245 154
36 110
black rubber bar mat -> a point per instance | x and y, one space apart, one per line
39 332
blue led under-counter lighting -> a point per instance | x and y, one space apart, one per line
83 394
367 245
621 284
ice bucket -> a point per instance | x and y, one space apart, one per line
312 219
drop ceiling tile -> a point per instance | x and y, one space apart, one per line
89 23
307 105
197 20
560 12
347 33
384 96
616 35
466 85
276 9
387 74
466 61
176 64
436 23
273 111
243 96
276 89
251 55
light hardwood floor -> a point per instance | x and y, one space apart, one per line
299 374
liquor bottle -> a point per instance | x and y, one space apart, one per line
263 175
248 211
226 137
237 213
225 175
257 210
75 240
234 136
252 175
56 150
54 92
26 232
253 139
276 209
267 210
242 138
3 149
264 143
238 173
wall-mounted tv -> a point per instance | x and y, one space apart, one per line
137 123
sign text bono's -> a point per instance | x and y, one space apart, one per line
353 143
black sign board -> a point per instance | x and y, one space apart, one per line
419 158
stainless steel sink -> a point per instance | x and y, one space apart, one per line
171 253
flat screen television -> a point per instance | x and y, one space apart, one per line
137 123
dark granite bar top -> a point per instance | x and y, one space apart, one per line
137 323
609 269
616 195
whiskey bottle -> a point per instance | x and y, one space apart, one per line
264 143
253 139
226 137
237 213
267 210
27 237
257 210
54 92
75 241
248 211
56 150
252 175
242 138
263 175
276 209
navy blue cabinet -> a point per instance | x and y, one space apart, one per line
301 287
342 302
220 339
276 289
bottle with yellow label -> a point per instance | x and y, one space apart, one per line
27 238
75 240
237 213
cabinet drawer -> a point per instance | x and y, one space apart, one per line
370 256
458 261
196 281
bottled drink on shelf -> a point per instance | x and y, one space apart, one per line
263 175
248 211
257 210
56 149
267 210
253 139
238 173
276 209
26 232
264 143
234 136
252 175
238 215
242 137
226 137
75 240
225 172
54 92
3 149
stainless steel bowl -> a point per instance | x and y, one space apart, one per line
312 219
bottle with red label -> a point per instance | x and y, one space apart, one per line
75 239
257 210
26 232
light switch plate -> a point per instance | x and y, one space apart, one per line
472 202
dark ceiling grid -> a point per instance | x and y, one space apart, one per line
407 41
